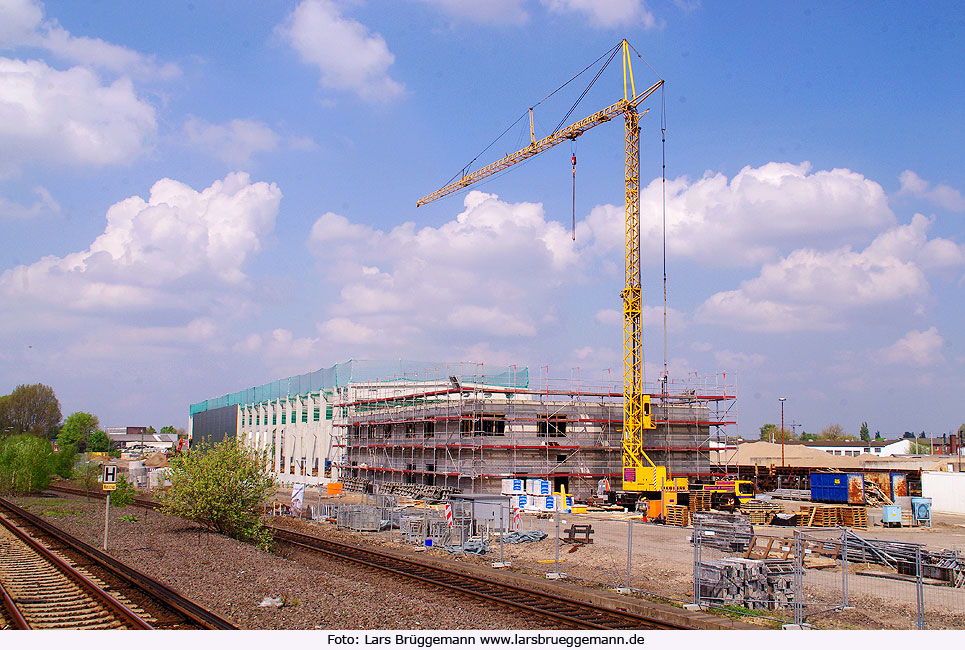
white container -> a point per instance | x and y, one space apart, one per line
538 487
521 501
513 486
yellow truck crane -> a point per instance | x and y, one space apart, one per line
642 478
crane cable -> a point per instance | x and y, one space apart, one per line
663 185
612 53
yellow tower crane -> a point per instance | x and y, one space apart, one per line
640 474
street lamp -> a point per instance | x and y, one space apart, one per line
782 400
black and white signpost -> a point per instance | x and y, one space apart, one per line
109 483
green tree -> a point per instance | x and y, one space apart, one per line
878 435
834 432
149 431
223 487
169 429
66 458
27 463
30 408
89 475
77 428
865 432
99 441
769 431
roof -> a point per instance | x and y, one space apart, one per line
147 438
766 454
850 443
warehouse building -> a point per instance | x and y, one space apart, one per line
462 426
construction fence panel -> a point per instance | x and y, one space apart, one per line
856 579
725 578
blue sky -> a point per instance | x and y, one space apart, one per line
198 197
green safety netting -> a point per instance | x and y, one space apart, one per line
355 371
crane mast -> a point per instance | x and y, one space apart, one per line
640 474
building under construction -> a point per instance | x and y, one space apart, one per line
465 426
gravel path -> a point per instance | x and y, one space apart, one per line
232 578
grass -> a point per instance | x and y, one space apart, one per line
740 612
52 507
130 518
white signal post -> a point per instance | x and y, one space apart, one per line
109 483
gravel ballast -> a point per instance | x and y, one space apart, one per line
231 578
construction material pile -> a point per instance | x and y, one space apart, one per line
723 531
755 584
427 492
761 513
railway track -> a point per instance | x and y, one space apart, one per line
572 613
52 580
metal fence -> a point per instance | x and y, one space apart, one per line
831 577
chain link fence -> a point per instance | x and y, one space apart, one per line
830 577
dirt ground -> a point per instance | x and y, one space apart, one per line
662 557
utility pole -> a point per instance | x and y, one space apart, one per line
782 400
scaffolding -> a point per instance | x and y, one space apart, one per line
467 433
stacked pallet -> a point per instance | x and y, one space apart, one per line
731 532
755 584
677 515
831 516
700 500
761 513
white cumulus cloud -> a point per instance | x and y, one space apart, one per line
607 13
817 290
496 270
915 349
751 217
235 142
181 251
347 54
943 196
22 24
499 12
69 117
44 205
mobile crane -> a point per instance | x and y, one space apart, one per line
642 478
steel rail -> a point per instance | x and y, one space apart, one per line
18 621
94 590
577 613
194 613
632 621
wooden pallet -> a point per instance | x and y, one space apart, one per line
700 500
678 515
761 513
854 516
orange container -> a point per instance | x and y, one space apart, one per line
334 489
654 508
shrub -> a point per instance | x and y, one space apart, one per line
64 463
223 487
26 464
123 495
89 475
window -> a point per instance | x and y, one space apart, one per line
304 414
274 418
867 450
466 425
493 424
429 429
552 426
328 412
410 429
316 415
